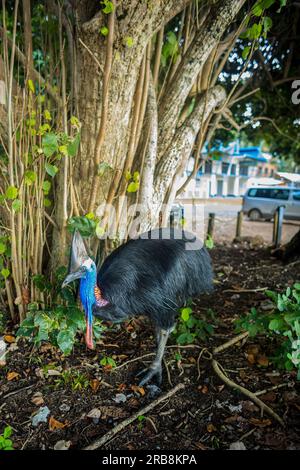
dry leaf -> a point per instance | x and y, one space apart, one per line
95 384
211 428
37 399
262 360
249 406
203 389
9 339
122 387
270 396
105 412
62 445
12 375
261 423
232 419
250 358
253 349
140 390
54 424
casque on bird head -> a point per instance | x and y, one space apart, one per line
83 267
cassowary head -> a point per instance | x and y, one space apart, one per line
83 267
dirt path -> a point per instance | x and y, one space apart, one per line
205 415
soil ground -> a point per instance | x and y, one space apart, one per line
206 414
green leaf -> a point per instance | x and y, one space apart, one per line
185 313
104 31
136 176
30 177
128 175
185 338
47 115
51 169
11 192
267 23
65 341
245 52
7 432
108 7
133 187
128 41
46 186
2 248
5 273
74 146
16 205
50 144
209 243
31 86
47 202
75 122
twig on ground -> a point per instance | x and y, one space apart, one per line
16 391
168 373
134 360
231 342
241 291
246 392
266 390
108 436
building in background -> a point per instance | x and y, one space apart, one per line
229 171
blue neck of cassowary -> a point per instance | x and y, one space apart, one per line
87 292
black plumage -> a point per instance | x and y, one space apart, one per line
153 275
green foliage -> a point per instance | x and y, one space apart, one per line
5 442
282 322
209 243
85 225
108 6
189 328
108 361
60 324
134 181
11 192
104 31
170 50
74 379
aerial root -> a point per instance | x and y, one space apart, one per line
123 424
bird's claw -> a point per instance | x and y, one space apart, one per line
149 374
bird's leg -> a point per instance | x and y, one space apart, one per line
155 368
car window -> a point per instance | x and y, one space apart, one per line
296 195
280 194
269 193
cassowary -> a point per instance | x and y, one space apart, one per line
153 275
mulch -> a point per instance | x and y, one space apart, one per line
206 414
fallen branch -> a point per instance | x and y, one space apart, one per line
241 291
245 392
108 436
231 342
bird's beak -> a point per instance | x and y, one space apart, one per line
80 273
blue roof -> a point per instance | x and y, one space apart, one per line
252 152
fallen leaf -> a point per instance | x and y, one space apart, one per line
122 387
53 372
232 419
203 389
261 423
37 399
140 390
9 339
221 387
250 358
253 349
270 396
249 406
120 398
62 445
95 384
54 424
211 428
105 412
262 360
12 375
237 446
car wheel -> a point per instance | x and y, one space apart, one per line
254 214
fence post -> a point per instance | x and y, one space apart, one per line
211 225
277 227
239 221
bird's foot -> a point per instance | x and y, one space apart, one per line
148 374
